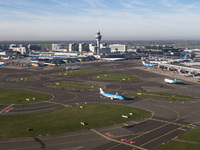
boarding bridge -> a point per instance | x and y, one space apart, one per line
179 68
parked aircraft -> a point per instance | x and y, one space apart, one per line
73 67
49 64
148 64
2 63
57 57
170 81
111 96
196 77
186 74
35 64
4 58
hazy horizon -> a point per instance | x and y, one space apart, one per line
78 20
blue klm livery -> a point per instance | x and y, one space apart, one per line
111 96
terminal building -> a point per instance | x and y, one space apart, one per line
118 48
73 47
83 47
58 47
92 47
19 48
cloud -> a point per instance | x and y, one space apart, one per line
129 19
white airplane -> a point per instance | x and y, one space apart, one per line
170 81
35 64
186 74
73 67
146 64
49 64
2 63
196 77
111 96
4 58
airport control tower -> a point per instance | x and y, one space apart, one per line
98 38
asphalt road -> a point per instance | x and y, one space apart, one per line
168 119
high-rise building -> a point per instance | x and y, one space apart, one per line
56 47
83 47
73 47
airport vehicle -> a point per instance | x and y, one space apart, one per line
2 63
73 67
186 74
111 96
148 64
170 81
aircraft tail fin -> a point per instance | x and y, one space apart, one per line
101 91
175 80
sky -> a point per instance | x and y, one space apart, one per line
116 19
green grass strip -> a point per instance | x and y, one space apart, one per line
174 145
162 96
191 135
68 120
115 77
75 85
21 97
87 71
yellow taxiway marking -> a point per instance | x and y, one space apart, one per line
182 129
45 138
58 103
178 124
159 137
73 148
126 124
57 144
6 108
178 116
117 140
192 125
191 114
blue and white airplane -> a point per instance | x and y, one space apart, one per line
2 63
146 64
111 96
170 81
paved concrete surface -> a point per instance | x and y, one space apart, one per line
168 119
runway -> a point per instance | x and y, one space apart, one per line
168 119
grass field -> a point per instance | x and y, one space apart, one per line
115 77
68 120
192 135
75 85
87 71
173 145
162 96
21 97
187 144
